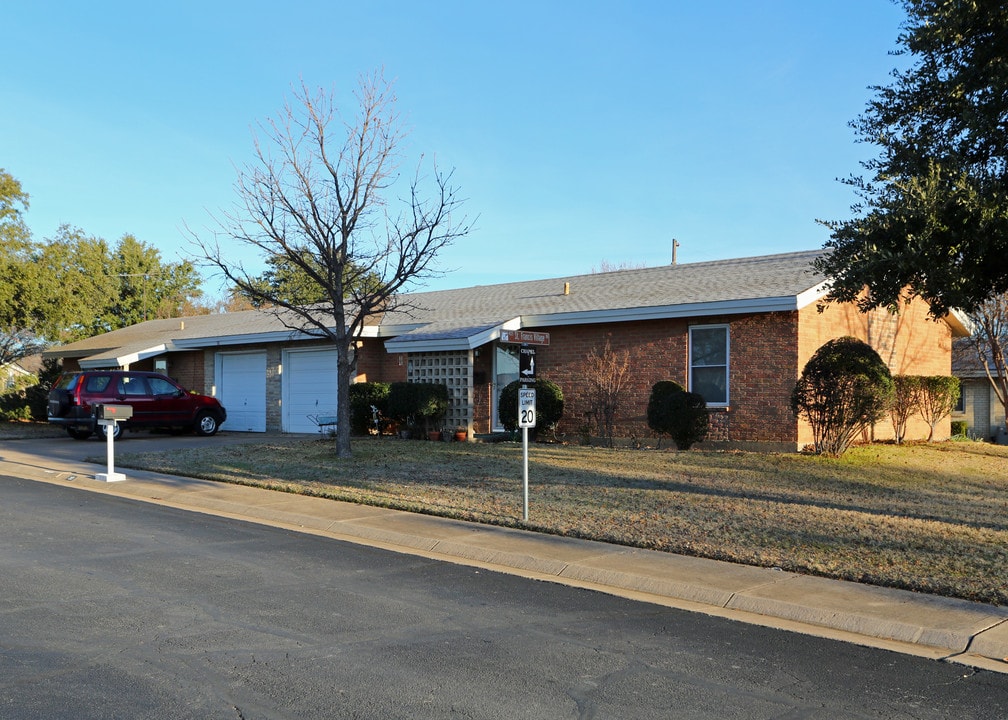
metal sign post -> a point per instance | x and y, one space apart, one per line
526 420
526 393
525 474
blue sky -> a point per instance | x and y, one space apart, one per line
580 132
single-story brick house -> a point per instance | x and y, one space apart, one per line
978 405
738 331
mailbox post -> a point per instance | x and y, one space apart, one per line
108 416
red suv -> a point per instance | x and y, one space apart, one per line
157 402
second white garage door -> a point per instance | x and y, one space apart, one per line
309 388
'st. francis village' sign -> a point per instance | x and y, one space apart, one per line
524 337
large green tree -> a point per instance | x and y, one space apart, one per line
96 288
18 275
932 216
74 285
290 282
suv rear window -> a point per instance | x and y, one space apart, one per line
66 381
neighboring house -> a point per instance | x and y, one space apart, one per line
20 371
738 331
978 405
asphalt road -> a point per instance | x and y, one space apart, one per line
111 608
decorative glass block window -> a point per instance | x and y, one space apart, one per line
453 369
708 363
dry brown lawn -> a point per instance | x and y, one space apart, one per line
932 518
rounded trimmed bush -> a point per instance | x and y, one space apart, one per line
658 417
674 411
844 388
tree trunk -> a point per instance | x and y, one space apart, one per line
343 369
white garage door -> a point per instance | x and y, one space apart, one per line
309 388
241 389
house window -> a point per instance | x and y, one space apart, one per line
708 363
960 406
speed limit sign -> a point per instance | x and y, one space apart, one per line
526 407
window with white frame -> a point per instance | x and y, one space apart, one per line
708 363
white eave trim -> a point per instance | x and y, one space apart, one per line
108 361
960 323
784 303
381 331
812 295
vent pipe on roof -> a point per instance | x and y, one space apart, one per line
566 288
675 246
181 325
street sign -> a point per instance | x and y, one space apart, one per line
524 337
526 407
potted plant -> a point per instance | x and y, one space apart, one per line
461 433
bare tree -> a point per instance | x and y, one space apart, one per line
906 401
316 201
608 266
937 399
606 374
990 339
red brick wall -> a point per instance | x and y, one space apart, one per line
374 364
656 350
762 373
186 368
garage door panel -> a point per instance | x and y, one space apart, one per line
310 388
242 390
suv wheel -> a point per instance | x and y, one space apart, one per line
117 431
206 424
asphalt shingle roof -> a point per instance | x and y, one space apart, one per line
720 281
472 315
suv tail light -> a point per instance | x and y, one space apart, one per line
75 392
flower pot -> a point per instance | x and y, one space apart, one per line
434 435
461 436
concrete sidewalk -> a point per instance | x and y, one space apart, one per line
972 634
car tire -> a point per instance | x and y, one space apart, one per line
78 433
206 424
116 434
